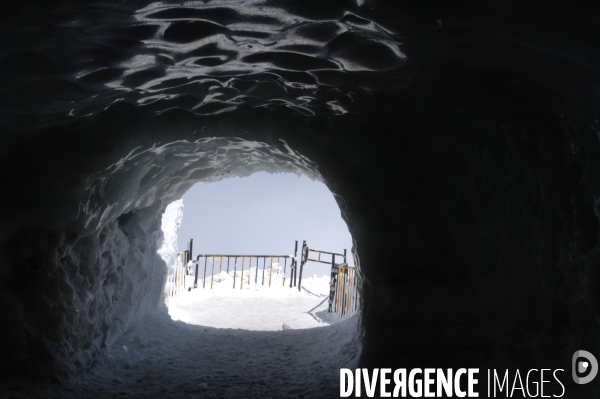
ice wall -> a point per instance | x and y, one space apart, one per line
462 140
80 293
75 291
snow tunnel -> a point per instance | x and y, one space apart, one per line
460 141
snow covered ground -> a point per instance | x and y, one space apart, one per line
161 358
172 359
225 343
254 306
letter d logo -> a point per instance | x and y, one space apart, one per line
581 367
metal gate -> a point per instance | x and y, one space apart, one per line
250 259
343 298
344 281
343 294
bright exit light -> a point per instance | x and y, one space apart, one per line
261 215
264 214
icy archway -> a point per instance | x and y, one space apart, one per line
103 272
460 141
264 213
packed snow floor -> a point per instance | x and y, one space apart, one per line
254 306
164 358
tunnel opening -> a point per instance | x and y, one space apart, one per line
118 320
292 349
260 214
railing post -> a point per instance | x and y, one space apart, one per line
270 270
304 256
212 273
242 277
220 267
234 270
344 284
196 274
332 284
293 274
204 278
186 258
191 248
256 275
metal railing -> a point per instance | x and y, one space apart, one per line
243 258
305 257
344 280
343 293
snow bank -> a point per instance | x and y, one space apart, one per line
254 305
170 224
92 289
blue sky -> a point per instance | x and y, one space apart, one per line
263 214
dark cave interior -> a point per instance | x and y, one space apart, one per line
462 137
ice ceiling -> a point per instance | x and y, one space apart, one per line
207 58
460 138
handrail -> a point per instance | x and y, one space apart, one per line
343 296
309 250
327 253
345 264
239 256
319 261
243 257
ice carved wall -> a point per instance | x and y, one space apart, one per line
462 140
83 287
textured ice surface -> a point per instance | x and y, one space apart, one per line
461 140
205 59
103 273
170 223
208 58
165 359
